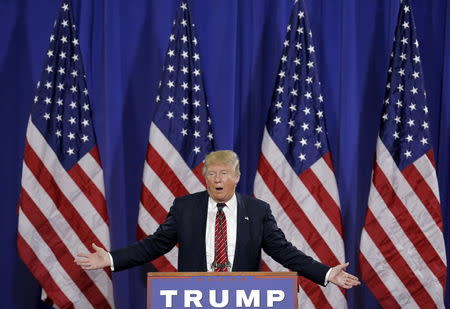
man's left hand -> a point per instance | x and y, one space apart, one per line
341 278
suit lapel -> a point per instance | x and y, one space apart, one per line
242 231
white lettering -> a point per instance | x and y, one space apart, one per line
274 296
192 296
168 294
213 299
252 300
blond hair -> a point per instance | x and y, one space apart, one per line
222 157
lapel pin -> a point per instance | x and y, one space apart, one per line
246 218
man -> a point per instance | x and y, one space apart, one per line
219 230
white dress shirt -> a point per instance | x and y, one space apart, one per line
230 212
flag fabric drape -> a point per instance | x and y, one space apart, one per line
295 172
180 134
402 253
62 208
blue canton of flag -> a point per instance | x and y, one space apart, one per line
298 126
405 128
182 114
62 110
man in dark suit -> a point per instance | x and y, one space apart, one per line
219 230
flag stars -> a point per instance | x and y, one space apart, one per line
48 85
196 119
298 46
289 139
65 7
277 120
293 107
309 79
73 89
280 89
412 107
308 95
424 141
169 115
404 40
294 92
50 53
184 116
62 55
46 116
319 113
414 90
58 117
284 58
397 119
85 122
295 77
184 86
184 39
60 86
405 25
400 88
303 142
85 107
70 151
63 39
416 59
75 42
307 111
210 136
279 105
415 75
399 103
65 23
170 84
196 103
410 122
75 57
74 73
58 133
184 23
85 138
196 134
291 123
184 132
302 157
185 101
185 70
311 49
184 54
286 43
59 102
408 153
171 53
310 64
196 72
305 126
36 99
196 88
409 138
71 135
282 74
401 72
425 109
170 68
49 69
416 43
196 149
406 9
171 38
61 71
47 100
425 125
385 117
320 98
301 14
318 144
196 57
395 135
403 56
72 120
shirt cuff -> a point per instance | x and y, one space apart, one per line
326 276
112 263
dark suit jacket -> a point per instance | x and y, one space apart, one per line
186 224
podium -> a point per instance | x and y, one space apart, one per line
181 290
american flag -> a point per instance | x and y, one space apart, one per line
62 208
402 253
295 173
180 134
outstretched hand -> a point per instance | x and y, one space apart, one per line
98 259
341 278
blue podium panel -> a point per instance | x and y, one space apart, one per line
178 290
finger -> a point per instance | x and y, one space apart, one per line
95 247
85 255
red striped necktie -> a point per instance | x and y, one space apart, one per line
221 263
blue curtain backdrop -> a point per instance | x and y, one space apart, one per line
123 47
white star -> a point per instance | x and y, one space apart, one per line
49 69
84 138
295 77
74 73
310 64
75 42
403 56
72 120
308 95
404 40
298 46
399 103
59 102
288 28
50 53
294 92
196 72
196 103
297 62
415 75
184 39
292 107
395 135
196 118
60 87
36 99
397 119
170 68
284 58
286 43
311 49
301 14
309 80
210 136
307 110
416 59
412 107
409 138
47 100
171 37
291 123
184 54
196 149
170 99
277 120
46 116
185 70
385 117
48 85
73 104
289 139
400 87
184 23
280 90
196 88
304 142
169 115
70 151
300 30
416 43
85 122
59 117
386 102
424 141
320 98
61 70
196 134
281 74
408 153
171 53
185 101
414 90
75 57
85 91
170 84
73 89
196 57
302 157
58 133
319 113
401 71
411 122
65 23
184 132
71 135
62 55
184 116
64 39
425 125
85 106
305 126
65 7
405 25
406 9
425 109
319 129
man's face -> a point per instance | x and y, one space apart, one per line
221 181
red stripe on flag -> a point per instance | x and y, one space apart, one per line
64 206
152 206
90 190
323 198
41 273
164 171
424 192
198 171
94 153
328 160
161 263
430 155
376 285
295 213
396 261
59 249
408 224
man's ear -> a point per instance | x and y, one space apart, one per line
237 179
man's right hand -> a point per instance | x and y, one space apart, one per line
98 259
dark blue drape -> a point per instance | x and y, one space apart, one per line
124 44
